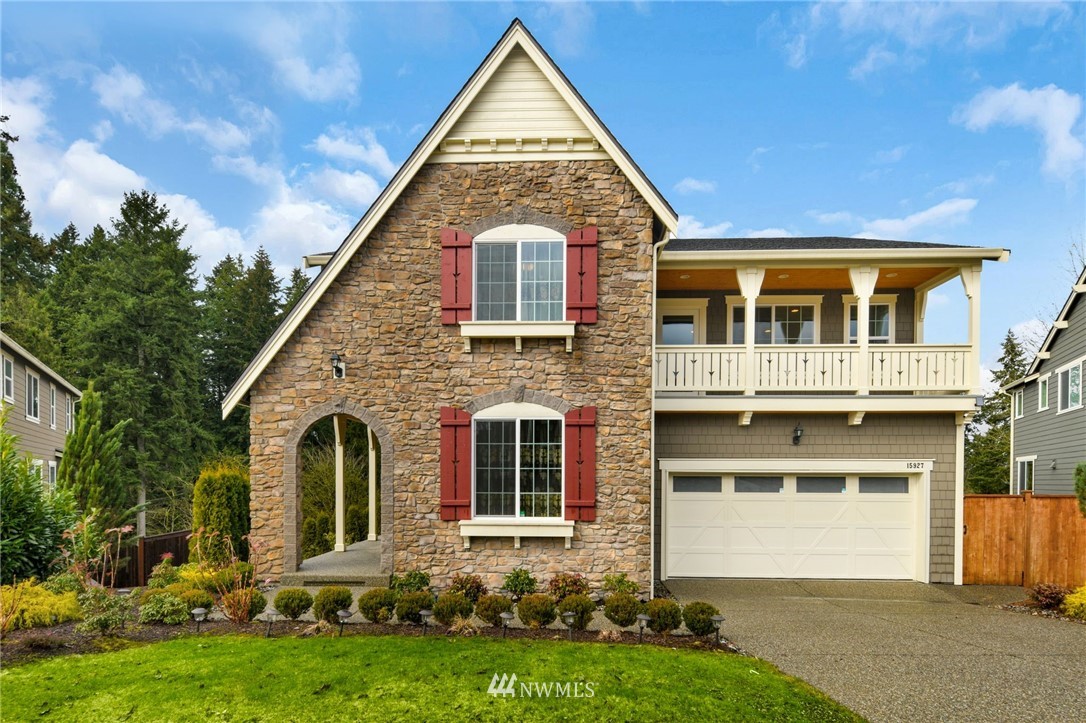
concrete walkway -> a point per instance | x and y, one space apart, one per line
359 564
904 651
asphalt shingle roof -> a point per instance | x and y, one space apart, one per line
796 244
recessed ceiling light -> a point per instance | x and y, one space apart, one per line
684 276
892 275
782 276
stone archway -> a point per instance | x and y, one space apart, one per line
292 509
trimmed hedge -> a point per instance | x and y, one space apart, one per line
452 605
664 615
411 604
293 602
622 609
537 610
698 618
377 605
490 607
220 504
329 601
581 606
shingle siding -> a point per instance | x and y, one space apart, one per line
36 438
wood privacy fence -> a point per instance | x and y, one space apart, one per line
1024 540
148 552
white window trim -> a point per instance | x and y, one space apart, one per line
519 234
1043 400
1019 402
851 300
7 360
69 413
37 387
698 308
1059 385
52 406
1016 483
806 300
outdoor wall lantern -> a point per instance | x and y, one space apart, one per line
270 614
567 618
339 368
797 433
717 620
342 615
642 620
199 615
506 617
425 615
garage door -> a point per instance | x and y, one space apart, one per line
792 526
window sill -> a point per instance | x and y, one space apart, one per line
517 330
516 529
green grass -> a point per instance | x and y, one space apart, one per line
402 678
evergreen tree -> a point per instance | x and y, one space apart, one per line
26 319
24 257
91 466
988 438
299 282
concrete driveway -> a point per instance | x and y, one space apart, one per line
904 651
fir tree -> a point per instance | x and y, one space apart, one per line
24 257
988 439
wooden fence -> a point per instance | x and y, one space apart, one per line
1024 540
148 552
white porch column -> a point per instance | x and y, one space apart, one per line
339 421
863 280
971 282
921 307
372 467
750 285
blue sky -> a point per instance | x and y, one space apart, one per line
277 124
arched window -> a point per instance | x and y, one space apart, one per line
517 453
520 274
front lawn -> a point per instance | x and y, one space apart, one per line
404 678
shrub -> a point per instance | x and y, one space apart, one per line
411 604
537 610
1080 487
1074 605
27 605
452 605
91 468
490 608
147 593
622 609
412 581
197 599
241 606
470 586
104 612
1048 595
179 588
220 511
213 578
64 582
329 601
581 606
664 615
377 605
293 602
163 574
698 618
565 584
519 583
317 535
165 608
357 522
619 583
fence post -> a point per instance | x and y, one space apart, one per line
1027 557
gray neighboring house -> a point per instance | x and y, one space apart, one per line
43 406
1048 416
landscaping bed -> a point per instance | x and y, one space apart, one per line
1028 607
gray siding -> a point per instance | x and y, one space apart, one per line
888 436
1054 438
36 438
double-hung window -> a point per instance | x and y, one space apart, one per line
519 279
33 406
518 463
1042 393
1019 403
52 406
880 324
1069 381
777 324
9 379
69 414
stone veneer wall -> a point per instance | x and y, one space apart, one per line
881 436
383 316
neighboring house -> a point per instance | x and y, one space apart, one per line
1048 417
42 406
555 382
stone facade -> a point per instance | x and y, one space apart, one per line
383 315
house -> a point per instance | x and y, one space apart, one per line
552 380
1048 420
42 406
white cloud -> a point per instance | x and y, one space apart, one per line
690 227
877 58
1051 111
752 159
768 233
937 298
948 213
248 168
795 51
285 40
891 156
355 144
965 185
694 185
832 217
203 234
573 24
357 189
125 94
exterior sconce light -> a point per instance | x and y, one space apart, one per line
1053 465
199 615
425 615
339 368
567 618
717 620
642 620
270 614
342 615
797 433
506 617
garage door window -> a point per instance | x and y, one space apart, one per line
763 485
884 485
697 484
820 485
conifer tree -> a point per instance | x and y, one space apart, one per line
988 437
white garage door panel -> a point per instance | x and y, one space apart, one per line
791 535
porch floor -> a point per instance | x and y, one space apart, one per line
358 565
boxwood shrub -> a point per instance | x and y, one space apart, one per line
490 608
664 615
293 602
698 618
537 610
411 604
582 608
622 609
452 605
329 601
377 605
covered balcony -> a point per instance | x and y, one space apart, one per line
793 318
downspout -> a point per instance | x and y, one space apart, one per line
657 248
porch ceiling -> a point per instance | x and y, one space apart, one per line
794 279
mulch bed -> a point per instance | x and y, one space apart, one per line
23 646
1028 607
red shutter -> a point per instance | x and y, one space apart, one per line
582 254
455 276
455 464
580 469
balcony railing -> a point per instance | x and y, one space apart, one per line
900 368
